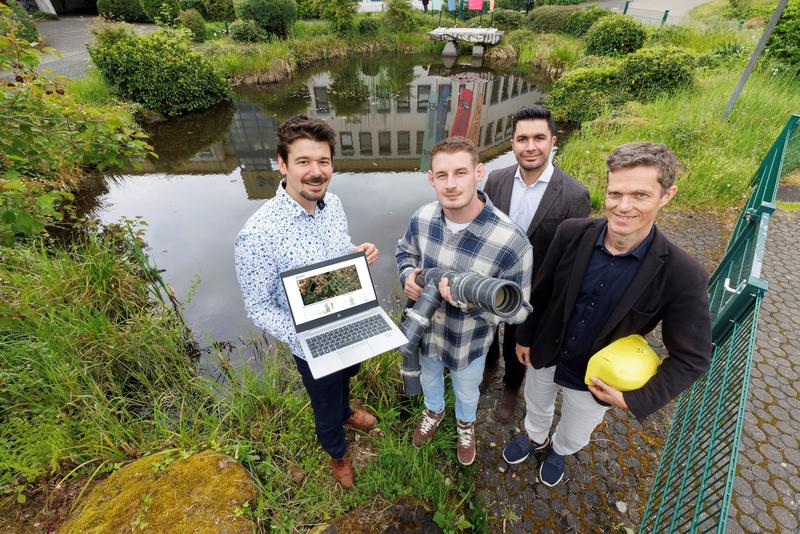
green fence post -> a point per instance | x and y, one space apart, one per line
461 10
664 18
625 9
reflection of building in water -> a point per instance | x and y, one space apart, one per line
381 125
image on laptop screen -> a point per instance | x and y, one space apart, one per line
330 289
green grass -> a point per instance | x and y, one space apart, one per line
788 206
720 9
720 157
93 89
93 372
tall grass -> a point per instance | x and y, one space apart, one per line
720 156
93 89
93 374
547 52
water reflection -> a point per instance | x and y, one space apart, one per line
214 168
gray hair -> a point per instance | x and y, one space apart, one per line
646 154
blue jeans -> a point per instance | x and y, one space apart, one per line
330 400
465 386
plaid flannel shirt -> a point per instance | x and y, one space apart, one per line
491 245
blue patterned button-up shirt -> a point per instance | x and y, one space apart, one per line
280 236
491 245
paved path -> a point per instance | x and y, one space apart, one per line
609 481
69 36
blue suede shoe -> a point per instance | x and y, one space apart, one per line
519 449
551 472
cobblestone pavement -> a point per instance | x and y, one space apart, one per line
607 483
766 494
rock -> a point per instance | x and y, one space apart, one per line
622 507
166 493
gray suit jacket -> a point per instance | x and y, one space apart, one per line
564 198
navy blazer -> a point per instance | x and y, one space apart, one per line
670 287
564 198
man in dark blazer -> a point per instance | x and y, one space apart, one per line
604 279
537 195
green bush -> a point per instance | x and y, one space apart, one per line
192 20
219 10
784 44
368 27
161 71
504 19
125 10
194 4
580 21
340 13
724 54
582 94
614 35
399 16
308 9
246 31
551 19
559 2
26 29
274 16
161 11
650 72
740 9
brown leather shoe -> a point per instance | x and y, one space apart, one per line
507 404
361 420
466 447
343 471
426 427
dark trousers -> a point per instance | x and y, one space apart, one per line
330 400
515 371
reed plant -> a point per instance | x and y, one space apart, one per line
720 156
96 370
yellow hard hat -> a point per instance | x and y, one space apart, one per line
626 364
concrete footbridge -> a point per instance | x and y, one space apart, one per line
479 37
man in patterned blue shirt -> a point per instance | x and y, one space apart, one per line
461 231
301 225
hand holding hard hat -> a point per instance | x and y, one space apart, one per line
626 364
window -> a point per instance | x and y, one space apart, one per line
346 141
423 95
498 133
384 143
365 142
420 140
321 98
404 100
404 142
487 141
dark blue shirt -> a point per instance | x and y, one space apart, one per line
605 281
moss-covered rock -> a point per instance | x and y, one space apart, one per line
166 493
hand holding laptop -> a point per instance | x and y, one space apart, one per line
370 250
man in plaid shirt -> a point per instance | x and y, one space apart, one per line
462 231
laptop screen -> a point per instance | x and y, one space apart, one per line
328 288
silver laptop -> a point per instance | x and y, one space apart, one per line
336 314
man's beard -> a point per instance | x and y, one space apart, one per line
314 196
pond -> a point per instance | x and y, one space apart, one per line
216 168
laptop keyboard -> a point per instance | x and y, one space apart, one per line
347 335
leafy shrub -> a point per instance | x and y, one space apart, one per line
340 13
219 10
595 61
192 20
399 16
614 35
723 55
784 44
649 72
126 10
308 9
161 11
559 2
22 21
740 9
194 4
582 94
549 19
581 20
505 19
161 71
246 31
368 27
274 16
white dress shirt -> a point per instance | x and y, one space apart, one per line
525 199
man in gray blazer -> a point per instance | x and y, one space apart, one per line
537 195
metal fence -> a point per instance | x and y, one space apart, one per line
694 480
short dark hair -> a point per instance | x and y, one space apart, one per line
456 144
303 127
646 154
532 113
